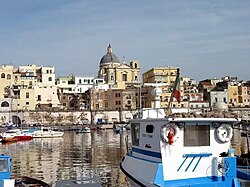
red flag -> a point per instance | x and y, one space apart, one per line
177 93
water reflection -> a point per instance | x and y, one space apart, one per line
75 156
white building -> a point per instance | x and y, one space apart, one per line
218 96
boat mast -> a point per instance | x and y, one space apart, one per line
173 91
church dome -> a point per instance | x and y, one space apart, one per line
109 57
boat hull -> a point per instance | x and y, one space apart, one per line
143 173
16 138
29 181
49 135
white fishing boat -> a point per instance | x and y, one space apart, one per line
84 130
47 132
180 152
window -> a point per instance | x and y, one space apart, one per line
39 98
27 95
117 94
5 104
27 103
8 76
97 96
106 105
80 81
124 77
150 128
50 79
135 132
3 165
112 78
196 135
2 75
225 100
47 71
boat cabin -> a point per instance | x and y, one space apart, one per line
186 147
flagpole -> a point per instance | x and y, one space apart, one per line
173 91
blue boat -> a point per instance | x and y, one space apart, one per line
7 181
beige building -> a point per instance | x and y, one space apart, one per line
113 99
116 74
29 87
233 97
243 95
6 77
166 76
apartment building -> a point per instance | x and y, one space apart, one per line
112 99
164 75
29 87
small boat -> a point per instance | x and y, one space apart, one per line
119 129
47 132
7 181
84 130
14 135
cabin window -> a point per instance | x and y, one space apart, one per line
150 128
3 165
135 132
197 135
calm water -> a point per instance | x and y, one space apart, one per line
75 156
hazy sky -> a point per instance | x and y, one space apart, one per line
206 39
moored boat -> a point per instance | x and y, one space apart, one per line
84 130
180 152
7 181
14 135
47 132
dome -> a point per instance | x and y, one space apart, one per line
109 57
220 106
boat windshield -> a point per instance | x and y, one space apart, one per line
196 135
135 132
3 165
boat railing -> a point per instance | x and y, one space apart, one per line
146 113
127 145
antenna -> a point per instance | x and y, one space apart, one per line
156 92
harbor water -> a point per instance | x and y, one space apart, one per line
72 157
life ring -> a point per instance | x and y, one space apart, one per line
169 133
224 133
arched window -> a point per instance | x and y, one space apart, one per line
135 65
8 76
5 104
124 77
2 75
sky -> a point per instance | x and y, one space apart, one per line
206 39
